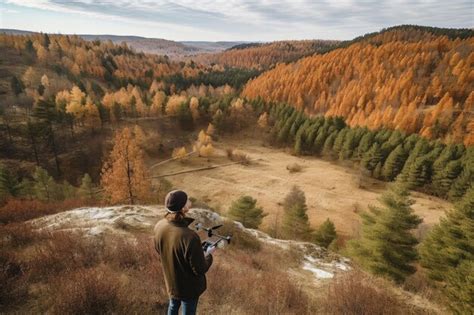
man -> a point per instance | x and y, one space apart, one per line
183 261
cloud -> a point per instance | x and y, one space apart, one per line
270 19
7 11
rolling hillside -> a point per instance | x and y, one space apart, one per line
415 79
265 55
159 46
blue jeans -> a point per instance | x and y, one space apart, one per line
189 306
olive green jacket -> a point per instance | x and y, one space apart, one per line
182 258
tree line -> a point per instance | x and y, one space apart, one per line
444 170
266 55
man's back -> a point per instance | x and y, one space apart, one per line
182 258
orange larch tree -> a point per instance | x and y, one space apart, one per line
124 177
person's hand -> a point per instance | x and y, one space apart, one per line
210 250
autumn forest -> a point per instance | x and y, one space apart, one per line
91 123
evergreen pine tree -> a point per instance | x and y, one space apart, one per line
319 141
48 115
444 180
44 186
245 211
218 120
365 143
312 134
377 172
185 117
46 40
27 188
465 179
383 135
295 220
9 185
410 142
284 132
420 148
372 157
387 246
339 141
394 163
439 165
16 85
418 173
64 191
292 132
461 184
447 253
446 155
87 189
339 123
328 144
30 51
348 146
325 234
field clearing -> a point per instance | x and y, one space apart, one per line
332 191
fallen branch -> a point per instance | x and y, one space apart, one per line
197 169
171 159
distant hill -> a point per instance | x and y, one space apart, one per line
416 79
212 46
266 55
69 63
159 46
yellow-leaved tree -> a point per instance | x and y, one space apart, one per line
203 145
179 153
124 174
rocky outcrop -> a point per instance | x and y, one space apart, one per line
95 221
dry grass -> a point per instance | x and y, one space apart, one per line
331 190
19 210
13 288
419 283
75 274
129 254
240 239
69 273
356 294
64 272
87 291
63 252
254 283
15 235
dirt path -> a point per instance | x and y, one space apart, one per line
332 191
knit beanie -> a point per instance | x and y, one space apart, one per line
175 200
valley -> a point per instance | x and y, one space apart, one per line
332 190
343 169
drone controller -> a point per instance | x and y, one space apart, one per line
214 239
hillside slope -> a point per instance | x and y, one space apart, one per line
158 46
265 55
405 78
102 259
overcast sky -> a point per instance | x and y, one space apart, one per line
217 20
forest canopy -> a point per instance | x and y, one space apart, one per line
408 78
